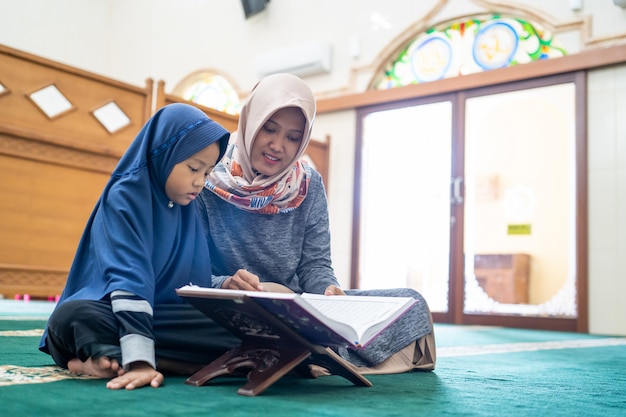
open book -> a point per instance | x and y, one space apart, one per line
322 320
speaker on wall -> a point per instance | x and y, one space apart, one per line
252 7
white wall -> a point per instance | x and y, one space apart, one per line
607 199
341 127
131 40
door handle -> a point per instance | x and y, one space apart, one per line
457 192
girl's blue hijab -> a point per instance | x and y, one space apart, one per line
133 241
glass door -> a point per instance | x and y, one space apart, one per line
521 219
404 205
478 201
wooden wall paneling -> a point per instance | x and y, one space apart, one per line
52 170
47 193
46 282
24 73
318 151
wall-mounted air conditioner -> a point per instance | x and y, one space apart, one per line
302 60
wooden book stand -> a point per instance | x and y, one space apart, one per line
269 349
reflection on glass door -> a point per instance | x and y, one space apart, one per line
405 205
520 203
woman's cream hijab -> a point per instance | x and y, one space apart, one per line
234 180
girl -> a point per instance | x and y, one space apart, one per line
119 316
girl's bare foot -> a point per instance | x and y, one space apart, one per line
101 367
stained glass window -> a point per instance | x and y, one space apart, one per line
214 91
466 47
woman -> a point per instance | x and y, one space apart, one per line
119 316
266 216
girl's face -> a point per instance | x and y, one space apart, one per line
278 141
187 178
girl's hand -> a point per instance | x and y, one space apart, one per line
139 375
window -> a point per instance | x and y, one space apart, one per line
210 89
468 46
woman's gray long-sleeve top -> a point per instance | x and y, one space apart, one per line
292 249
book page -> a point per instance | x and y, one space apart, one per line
354 319
208 291
358 312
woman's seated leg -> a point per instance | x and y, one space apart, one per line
407 344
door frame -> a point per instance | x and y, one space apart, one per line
580 323
456 282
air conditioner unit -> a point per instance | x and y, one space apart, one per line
301 60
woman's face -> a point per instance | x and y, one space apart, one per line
278 141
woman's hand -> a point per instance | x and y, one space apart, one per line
243 280
334 290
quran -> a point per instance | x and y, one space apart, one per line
288 333
337 320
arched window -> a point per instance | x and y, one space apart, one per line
210 90
468 46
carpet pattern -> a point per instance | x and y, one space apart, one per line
481 371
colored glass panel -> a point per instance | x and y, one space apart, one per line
467 47
214 91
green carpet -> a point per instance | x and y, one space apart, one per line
481 371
